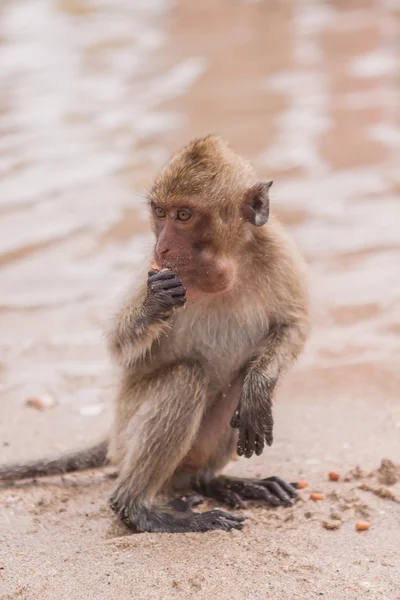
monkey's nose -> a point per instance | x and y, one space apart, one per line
163 252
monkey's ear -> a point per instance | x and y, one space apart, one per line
256 203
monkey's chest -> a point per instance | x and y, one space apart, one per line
221 343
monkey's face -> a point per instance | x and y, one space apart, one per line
204 210
187 243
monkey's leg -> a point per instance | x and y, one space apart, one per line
214 447
157 438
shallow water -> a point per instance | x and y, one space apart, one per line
94 97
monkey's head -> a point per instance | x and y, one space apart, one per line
205 209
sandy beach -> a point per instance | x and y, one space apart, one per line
95 96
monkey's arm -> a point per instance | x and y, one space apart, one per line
145 317
253 416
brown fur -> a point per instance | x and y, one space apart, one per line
174 408
244 323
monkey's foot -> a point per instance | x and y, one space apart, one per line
176 517
232 491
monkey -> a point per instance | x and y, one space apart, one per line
202 343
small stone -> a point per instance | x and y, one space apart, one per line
11 500
333 476
388 473
41 402
331 525
356 473
316 497
91 410
335 516
362 526
301 484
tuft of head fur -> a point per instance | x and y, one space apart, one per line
206 169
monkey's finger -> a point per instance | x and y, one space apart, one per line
166 285
269 425
269 438
259 445
241 441
152 272
250 443
277 491
179 301
269 432
178 291
235 421
290 488
162 276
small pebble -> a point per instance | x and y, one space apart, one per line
333 476
316 497
91 410
331 525
11 500
362 526
301 484
41 402
335 516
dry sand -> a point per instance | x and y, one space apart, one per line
95 95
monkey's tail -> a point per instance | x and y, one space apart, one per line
80 460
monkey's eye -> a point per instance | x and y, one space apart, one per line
160 212
183 215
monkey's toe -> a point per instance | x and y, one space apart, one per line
231 491
216 519
252 490
285 492
220 490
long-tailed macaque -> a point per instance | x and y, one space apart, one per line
201 345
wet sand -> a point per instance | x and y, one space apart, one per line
94 97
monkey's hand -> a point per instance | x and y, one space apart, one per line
165 292
253 415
